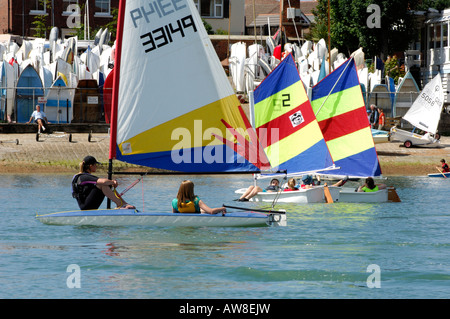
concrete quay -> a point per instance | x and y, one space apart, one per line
21 153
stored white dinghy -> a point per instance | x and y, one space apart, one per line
130 217
315 194
424 114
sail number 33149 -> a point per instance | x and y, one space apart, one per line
165 35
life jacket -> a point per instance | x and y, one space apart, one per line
80 190
190 206
367 189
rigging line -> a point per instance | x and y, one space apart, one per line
277 195
348 63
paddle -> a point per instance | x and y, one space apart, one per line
255 210
392 195
327 194
441 172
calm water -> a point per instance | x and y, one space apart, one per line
324 252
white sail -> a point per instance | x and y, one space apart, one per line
426 109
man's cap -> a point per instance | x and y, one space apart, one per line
90 160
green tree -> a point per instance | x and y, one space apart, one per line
350 28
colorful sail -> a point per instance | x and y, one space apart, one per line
176 109
339 106
285 122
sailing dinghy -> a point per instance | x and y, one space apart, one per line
173 108
290 135
424 114
339 106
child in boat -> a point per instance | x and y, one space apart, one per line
445 168
307 182
253 190
291 185
370 186
89 190
187 202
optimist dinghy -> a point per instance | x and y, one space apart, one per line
289 134
339 106
173 108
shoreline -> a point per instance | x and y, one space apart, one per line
52 155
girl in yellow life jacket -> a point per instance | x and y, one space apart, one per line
369 186
187 202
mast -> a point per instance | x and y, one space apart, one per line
115 93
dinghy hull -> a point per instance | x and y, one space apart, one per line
129 217
348 195
302 196
441 175
410 138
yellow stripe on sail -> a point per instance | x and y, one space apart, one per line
351 144
294 144
193 129
334 105
279 103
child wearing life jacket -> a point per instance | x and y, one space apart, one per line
187 202
445 168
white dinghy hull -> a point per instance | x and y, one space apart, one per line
348 195
130 217
302 196
410 138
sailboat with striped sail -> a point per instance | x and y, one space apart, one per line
339 106
173 108
289 133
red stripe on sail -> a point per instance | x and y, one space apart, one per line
282 126
344 124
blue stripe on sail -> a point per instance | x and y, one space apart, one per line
348 80
363 164
308 159
283 76
190 163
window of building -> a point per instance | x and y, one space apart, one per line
103 7
67 6
38 6
210 8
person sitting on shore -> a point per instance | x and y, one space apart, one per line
187 202
370 186
89 190
253 190
291 185
40 118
